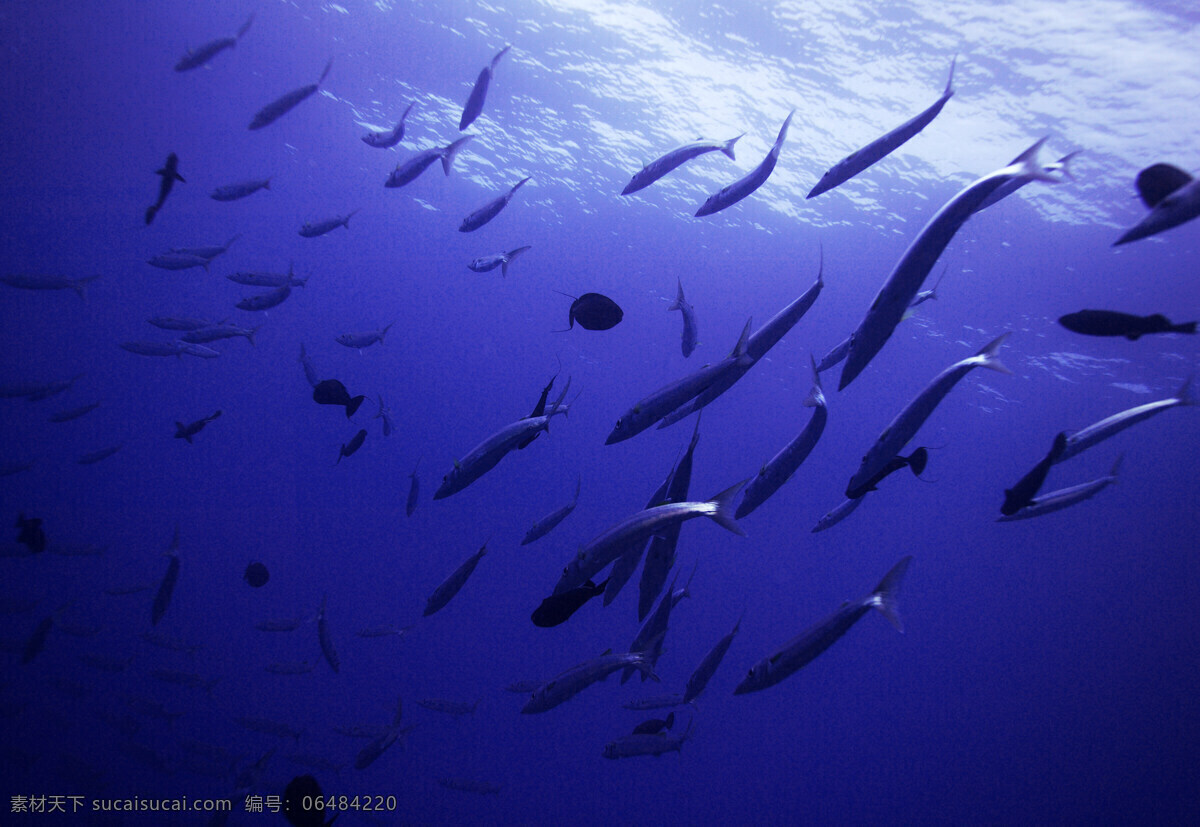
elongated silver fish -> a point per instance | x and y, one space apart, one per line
452 584
180 322
630 746
1064 497
545 525
708 666
660 551
659 167
1085 438
485 263
217 332
232 192
360 340
38 281
287 102
689 321
265 301
574 680
178 261
406 171
739 189
312 229
209 252
489 210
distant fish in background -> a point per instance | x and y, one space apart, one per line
489 210
232 192
178 261
1113 323
739 189
286 103
485 263
186 432
593 311
325 638
31 534
353 445
310 372
256 575
169 174
265 301
333 392
210 252
74 413
166 587
361 340
1173 197
216 332
407 171
195 58
659 167
655 725
475 102
92 457
414 491
35 281
880 148
454 583
312 229
689 320
389 137
385 413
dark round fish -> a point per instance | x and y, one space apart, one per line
31 534
595 312
256 575
654 725
558 608
1114 323
333 392
353 445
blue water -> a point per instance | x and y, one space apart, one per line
1049 668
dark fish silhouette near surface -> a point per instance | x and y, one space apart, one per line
256 575
201 55
474 103
593 312
353 445
558 608
1173 197
333 392
31 535
1114 323
186 432
279 107
169 174
1021 495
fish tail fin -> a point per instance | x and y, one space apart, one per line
557 403
325 72
383 332
236 236
451 151
406 111
1064 163
250 335
885 593
1185 327
80 287
783 130
821 264
181 431
949 92
499 55
987 355
1026 165
678 303
723 512
727 148
353 406
816 396
150 212
918 459
349 215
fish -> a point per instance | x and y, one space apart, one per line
172 644
166 587
353 445
209 252
31 534
1021 495
637 528
703 673
384 631
671 161
630 746
168 174
558 608
906 423
452 584
739 189
155 348
265 301
37 641
655 725
902 284
1113 323
470 785
881 147
385 413
779 468
389 137
660 551
1173 197
325 639
923 296
38 281
407 171
689 320
757 346
484 456
186 432
312 229
361 340
105 663
198 350
269 279
92 457
545 525
523 687
916 461
593 311
650 636
1081 440
489 210
485 263
802 649
182 323
217 332
232 192
333 392
126 588
310 372
574 680
266 726
368 754
195 58
178 261
474 104
1062 165
286 103
1064 497
448 707
837 514
362 731
625 565
414 491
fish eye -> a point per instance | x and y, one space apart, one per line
619 421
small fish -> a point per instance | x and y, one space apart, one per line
173 644
708 667
366 731
838 514
310 372
93 457
452 584
361 340
1064 497
1173 197
489 210
1022 494
414 491
209 252
593 311
155 348
269 279
389 137
333 392
689 321
166 587
545 525
31 534
189 680
279 625
353 445
523 687
368 754
631 746
218 332
385 413
657 702
265 301
1113 323
574 680
485 263
384 631
478 95
1085 438
105 663
659 167
37 281
739 189
407 171
186 432
655 725
448 707
325 639
287 102
183 323
558 608
169 175
37 641
178 261
232 192
312 229
203 54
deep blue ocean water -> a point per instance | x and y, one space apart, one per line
1049 668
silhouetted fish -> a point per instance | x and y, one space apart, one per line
353 445
1021 495
474 103
298 798
655 725
170 174
593 312
188 431
1113 323
916 460
31 534
558 608
256 575
286 103
333 392
1173 197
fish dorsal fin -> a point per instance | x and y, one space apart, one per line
1156 182
816 396
743 341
